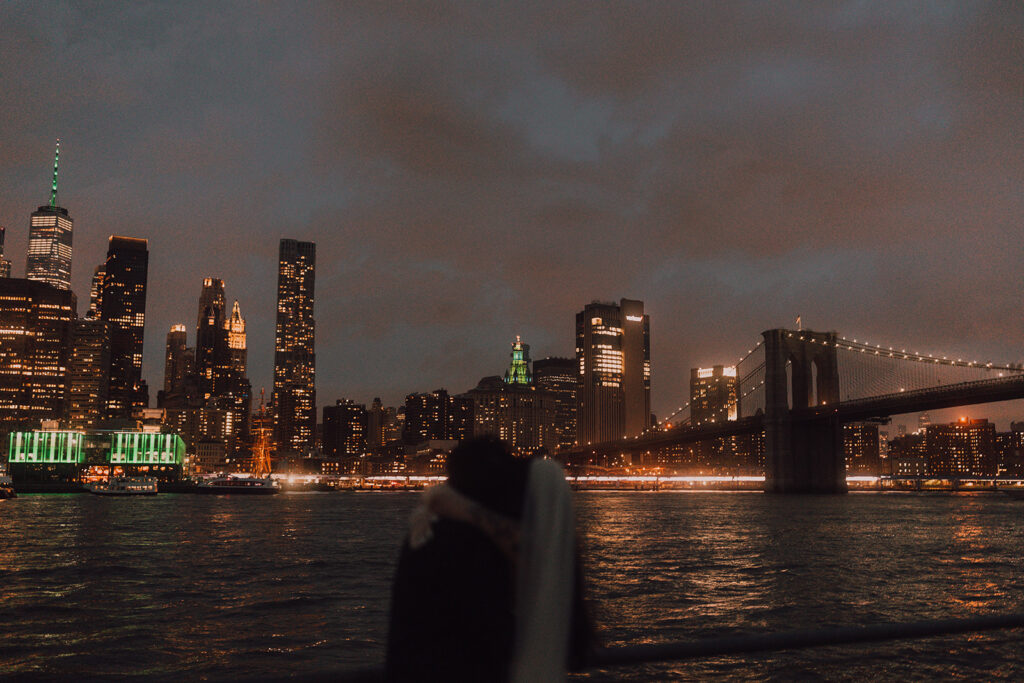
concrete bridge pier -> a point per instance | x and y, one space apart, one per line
802 454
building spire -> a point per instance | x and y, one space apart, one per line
53 190
519 371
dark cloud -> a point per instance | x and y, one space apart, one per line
473 172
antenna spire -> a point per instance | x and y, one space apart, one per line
53 190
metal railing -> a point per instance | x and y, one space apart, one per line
631 655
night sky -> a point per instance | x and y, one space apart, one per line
473 172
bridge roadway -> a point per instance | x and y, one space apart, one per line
933 398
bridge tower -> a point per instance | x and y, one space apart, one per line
803 453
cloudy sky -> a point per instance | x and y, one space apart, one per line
475 172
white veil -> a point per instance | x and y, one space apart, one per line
544 586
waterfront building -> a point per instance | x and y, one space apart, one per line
713 394
962 448
557 377
5 264
88 372
123 306
294 347
75 456
35 335
860 446
345 427
49 240
614 365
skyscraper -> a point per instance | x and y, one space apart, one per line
519 370
344 429
557 376
613 354
178 362
49 240
5 265
88 372
294 351
96 289
124 306
713 394
236 339
35 334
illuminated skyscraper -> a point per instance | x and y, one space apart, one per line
519 370
35 335
344 429
123 305
294 351
88 372
178 361
236 339
5 265
49 240
613 356
713 394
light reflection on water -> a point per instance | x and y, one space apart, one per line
248 586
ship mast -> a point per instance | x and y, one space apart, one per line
261 464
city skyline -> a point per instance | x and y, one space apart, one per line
652 180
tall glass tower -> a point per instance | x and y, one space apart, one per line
49 240
294 351
124 307
613 387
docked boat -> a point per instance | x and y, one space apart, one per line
7 487
239 485
125 486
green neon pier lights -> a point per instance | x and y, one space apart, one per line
46 447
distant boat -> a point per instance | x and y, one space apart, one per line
235 485
125 486
7 487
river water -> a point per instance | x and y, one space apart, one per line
210 586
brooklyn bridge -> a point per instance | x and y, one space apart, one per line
796 389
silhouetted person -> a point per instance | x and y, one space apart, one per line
487 584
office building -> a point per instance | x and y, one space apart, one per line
123 305
88 372
713 394
237 347
5 264
519 414
345 427
49 240
437 416
294 349
963 448
557 377
860 447
178 361
35 336
614 364
96 289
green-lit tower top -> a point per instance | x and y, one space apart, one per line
519 371
53 189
